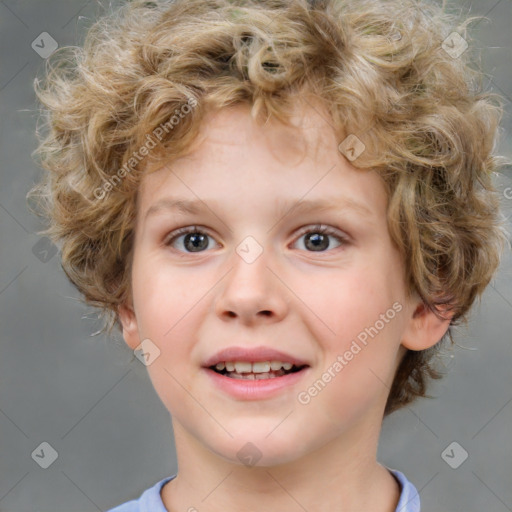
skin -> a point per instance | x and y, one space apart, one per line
319 456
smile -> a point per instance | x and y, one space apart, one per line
255 371
255 385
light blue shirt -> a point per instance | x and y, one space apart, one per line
151 501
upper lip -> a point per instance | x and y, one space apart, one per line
252 355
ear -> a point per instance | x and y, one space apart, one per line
130 328
424 328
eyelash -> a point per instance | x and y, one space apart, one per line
324 230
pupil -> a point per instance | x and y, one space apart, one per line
318 240
198 240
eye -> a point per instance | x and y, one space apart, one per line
195 239
317 238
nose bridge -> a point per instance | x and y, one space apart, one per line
250 289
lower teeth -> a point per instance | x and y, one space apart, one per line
256 376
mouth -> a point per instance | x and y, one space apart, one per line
261 380
258 371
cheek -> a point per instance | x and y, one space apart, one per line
341 304
357 326
168 305
171 324
164 298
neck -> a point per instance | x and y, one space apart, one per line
340 475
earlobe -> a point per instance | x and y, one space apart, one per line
130 328
425 328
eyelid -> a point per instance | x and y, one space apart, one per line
325 229
176 233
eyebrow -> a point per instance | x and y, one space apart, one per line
187 206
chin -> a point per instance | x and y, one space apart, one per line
258 450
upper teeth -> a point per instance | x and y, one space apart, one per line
248 367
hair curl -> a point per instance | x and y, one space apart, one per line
378 65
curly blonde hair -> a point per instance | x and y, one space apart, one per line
378 65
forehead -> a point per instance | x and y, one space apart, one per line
280 162
234 128
309 130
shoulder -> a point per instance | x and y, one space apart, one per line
409 497
149 501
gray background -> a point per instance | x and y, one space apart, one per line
92 401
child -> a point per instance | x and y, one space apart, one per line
294 194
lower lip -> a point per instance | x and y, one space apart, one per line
245 389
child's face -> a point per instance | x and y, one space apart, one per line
250 181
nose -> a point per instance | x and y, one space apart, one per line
251 292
